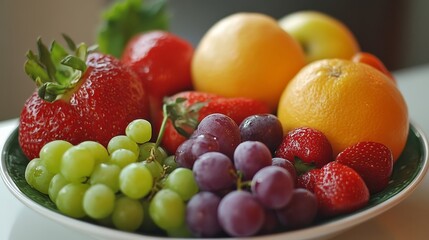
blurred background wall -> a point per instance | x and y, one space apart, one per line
394 30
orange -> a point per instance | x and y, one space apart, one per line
246 55
349 102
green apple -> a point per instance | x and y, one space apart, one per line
320 35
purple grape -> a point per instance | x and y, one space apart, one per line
240 214
286 164
184 157
204 143
191 149
250 157
224 129
201 215
265 128
301 210
271 223
273 187
214 171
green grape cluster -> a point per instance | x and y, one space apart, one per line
132 184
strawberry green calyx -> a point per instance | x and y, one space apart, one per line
183 117
302 167
55 71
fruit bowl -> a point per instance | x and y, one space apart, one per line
408 172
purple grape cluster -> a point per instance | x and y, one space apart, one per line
244 191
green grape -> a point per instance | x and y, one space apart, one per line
170 164
107 174
167 210
52 152
57 182
135 180
122 157
139 130
97 149
180 232
122 141
29 170
38 176
145 152
148 226
77 164
127 214
155 168
98 201
182 181
70 199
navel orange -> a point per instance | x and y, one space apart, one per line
349 102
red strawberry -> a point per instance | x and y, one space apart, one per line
339 189
162 61
39 124
78 100
373 161
308 145
197 106
307 180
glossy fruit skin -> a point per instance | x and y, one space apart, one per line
236 108
322 36
39 124
240 214
300 212
249 53
349 102
162 61
286 164
309 145
109 97
307 180
373 161
265 128
224 129
339 189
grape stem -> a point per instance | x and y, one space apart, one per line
162 128
158 184
160 134
240 183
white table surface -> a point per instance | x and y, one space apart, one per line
408 220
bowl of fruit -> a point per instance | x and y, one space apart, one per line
249 134
282 223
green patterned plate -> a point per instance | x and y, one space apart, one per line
409 170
